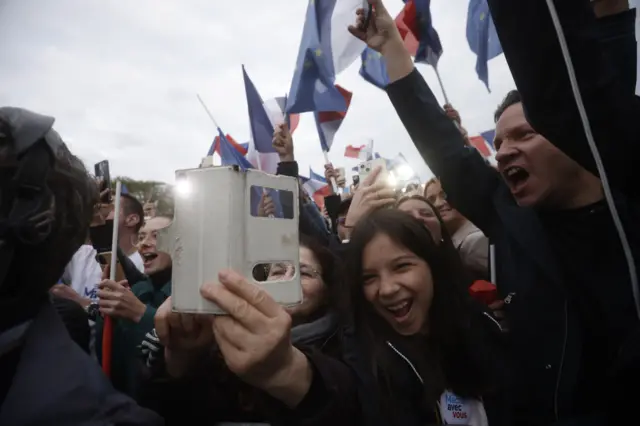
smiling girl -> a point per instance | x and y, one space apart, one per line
425 352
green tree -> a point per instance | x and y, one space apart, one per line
150 190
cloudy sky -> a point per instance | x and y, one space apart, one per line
121 77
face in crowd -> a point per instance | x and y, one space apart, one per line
436 196
537 173
421 210
398 284
313 285
399 274
154 260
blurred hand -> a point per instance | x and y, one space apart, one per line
255 338
118 301
497 308
453 114
329 173
382 30
368 197
266 208
283 142
183 336
66 292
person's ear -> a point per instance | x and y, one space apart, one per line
132 220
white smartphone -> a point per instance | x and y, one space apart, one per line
364 169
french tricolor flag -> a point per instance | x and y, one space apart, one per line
479 143
268 162
328 122
215 146
317 187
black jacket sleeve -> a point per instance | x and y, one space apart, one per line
468 180
309 225
531 47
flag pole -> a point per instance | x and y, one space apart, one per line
213 120
334 184
444 92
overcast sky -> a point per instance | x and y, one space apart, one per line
121 77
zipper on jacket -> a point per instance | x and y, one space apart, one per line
407 361
564 348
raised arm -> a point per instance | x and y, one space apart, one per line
533 52
465 176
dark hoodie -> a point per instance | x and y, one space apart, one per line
216 394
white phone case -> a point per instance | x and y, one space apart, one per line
364 169
213 229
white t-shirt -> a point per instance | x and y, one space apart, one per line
83 272
137 260
461 411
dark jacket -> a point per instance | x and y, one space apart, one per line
56 383
215 394
399 399
547 336
127 335
311 221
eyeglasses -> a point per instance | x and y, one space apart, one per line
279 271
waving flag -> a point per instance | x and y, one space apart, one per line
353 151
268 161
316 177
231 157
481 145
407 23
242 148
259 121
316 188
326 49
429 46
374 68
489 136
482 37
328 123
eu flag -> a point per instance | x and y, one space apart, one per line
374 68
429 47
482 37
261 126
312 87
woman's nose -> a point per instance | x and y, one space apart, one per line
388 287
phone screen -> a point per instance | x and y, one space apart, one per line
102 172
101 237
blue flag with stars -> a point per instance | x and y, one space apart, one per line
374 68
482 37
312 87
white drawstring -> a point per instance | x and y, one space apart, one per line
596 156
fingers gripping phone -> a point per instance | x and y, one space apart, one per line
365 169
102 172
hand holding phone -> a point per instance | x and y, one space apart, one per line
103 176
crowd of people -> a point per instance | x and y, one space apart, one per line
487 296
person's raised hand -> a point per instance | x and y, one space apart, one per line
266 208
283 142
255 338
381 30
369 196
452 113
118 301
329 173
184 337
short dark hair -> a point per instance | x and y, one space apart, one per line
131 205
512 98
